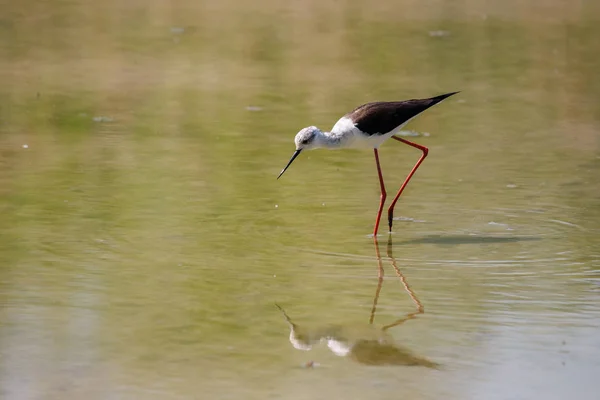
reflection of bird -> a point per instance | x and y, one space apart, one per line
368 126
364 343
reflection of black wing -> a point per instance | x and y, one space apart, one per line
384 116
371 352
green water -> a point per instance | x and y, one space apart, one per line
144 239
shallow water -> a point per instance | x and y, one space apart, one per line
144 239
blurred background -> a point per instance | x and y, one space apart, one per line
144 239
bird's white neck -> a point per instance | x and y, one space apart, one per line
328 139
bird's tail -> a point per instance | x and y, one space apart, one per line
437 99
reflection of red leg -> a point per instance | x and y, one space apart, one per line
420 308
425 150
383 193
379 280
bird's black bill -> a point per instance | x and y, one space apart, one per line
290 162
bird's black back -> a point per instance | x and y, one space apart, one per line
381 117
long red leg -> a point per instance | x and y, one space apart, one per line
383 193
425 151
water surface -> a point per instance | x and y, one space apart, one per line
144 239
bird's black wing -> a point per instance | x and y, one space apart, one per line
381 117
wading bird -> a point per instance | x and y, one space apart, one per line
368 126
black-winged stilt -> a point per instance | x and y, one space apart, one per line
368 126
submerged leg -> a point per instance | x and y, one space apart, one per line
425 150
383 193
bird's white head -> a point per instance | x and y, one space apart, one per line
308 138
